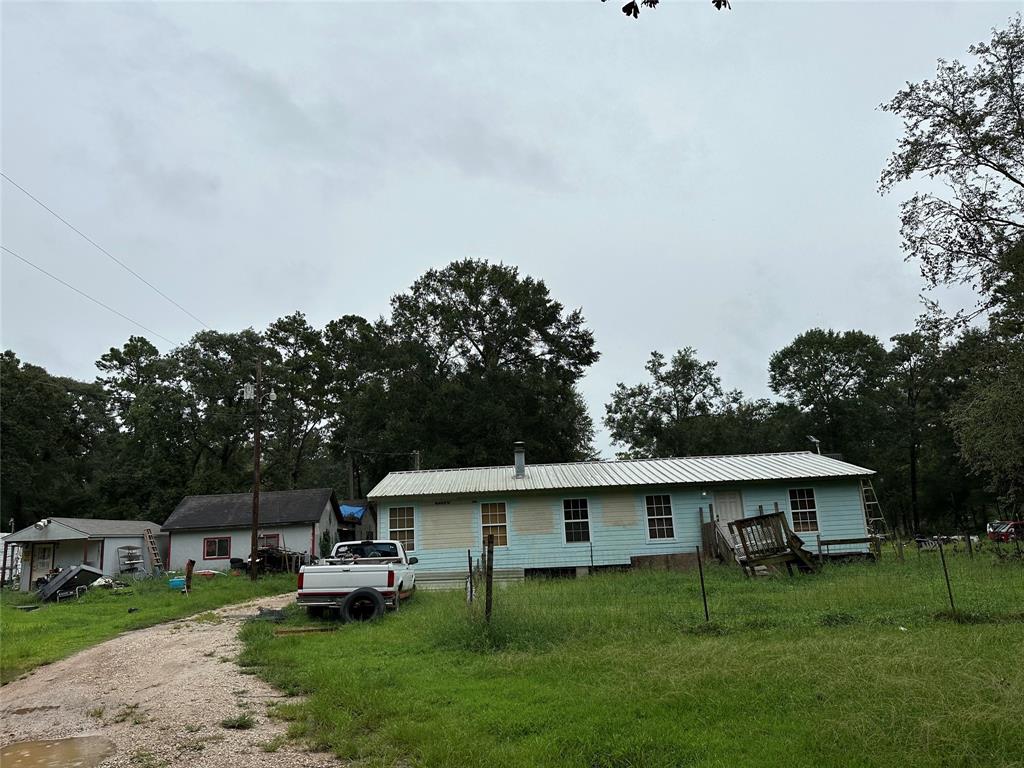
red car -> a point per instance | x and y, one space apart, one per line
1012 531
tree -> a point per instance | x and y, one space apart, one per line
632 9
666 416
474 357
964 132
989 425
52 439
831 376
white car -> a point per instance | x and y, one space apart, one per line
359 580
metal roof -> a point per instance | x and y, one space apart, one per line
688 470
67 528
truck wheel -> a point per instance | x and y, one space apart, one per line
364 604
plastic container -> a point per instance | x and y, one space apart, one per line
176 583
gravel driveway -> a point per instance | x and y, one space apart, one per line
159 695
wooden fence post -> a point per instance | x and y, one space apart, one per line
469 577
489 578
189 566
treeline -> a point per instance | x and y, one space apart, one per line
476 356
472 358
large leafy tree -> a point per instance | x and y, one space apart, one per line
682 410
53 436
477 356
669 414
963 137
832 377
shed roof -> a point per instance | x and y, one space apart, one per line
234 510
688 470
65 528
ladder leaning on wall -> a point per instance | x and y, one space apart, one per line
877 525
154 552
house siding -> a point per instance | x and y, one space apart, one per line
188 545
445 527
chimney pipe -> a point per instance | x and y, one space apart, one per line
520 454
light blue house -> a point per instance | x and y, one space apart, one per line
553 517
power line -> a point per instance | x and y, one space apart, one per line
100 248
86 295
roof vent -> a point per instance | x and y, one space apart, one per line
520 454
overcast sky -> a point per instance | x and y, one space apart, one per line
689 178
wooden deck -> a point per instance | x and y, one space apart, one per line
757 543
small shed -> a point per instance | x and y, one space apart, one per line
213 530
55 543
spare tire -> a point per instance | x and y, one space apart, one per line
365 604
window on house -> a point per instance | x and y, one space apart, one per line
218 548
270 540
804 509
659 517
577 520
494 521
400 523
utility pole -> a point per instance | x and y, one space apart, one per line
256 393
256 474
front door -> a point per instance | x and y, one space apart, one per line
728 506
42 561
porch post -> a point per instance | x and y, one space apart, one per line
3 567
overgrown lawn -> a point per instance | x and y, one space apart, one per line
858 665
56 630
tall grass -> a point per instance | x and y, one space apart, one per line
56 630
856 665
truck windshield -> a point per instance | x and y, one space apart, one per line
382 549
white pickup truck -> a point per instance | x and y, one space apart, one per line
359 580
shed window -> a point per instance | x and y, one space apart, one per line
217 548
804 510
659 517
494 520
577 520
401 524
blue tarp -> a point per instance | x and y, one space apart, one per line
352 512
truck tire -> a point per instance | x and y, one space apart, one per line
365 604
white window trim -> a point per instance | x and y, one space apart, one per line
415 524
480 523
590 528
792 512
672 516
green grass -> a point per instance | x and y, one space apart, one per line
29 639
242 722
860 665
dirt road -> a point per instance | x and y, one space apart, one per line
159 695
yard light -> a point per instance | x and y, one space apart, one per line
816 441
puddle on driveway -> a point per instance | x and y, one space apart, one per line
77 752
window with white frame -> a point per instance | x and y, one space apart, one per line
577 520
804 510
494 520
401 524
659 517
